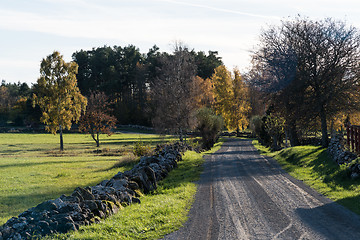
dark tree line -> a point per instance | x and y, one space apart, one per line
16 105
124 74
128 77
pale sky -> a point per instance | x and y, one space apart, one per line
31 30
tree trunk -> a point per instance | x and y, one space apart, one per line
61 138
237 132
324 133
275 145
293 136
180 135
93 137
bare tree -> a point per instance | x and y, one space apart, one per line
97 119
171 91
312 67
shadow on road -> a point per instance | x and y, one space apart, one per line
326 220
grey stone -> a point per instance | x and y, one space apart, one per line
70 199
77 195
120 175
103 183
48 205
17 236
19 226
133 185
59 203
85 193
91 204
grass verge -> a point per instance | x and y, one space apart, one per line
313 166
162 212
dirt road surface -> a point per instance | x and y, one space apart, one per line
243 195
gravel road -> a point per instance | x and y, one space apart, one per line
243 195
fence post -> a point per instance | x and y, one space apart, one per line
357 139
348 134
352 138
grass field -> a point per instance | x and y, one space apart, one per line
33 170
313 166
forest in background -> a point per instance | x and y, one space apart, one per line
124 74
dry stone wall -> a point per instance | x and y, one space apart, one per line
90 204
337 150
340 155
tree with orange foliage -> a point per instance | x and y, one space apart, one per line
202 92
97 119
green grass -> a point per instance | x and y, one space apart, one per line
162 212
314 167
33 170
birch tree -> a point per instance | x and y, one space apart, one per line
57 94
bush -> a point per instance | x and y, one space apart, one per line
256 125
274 126
209 125
141 150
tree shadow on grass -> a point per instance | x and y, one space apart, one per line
46 162
15 151
127 164
294 158
120 143
352 203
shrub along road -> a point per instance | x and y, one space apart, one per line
244 195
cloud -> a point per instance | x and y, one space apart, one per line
125 27
221 9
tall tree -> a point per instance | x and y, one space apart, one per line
322 76
10 95
329 56
119 72
171 91
206 64
58 95
201 92
97 119
231 98
274 72
241 103
6 103
222 83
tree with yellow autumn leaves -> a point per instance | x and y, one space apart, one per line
231 98
57 94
